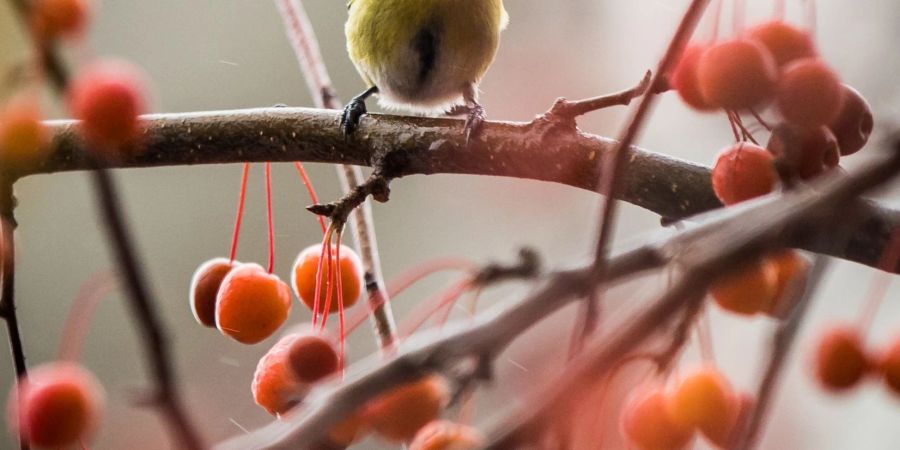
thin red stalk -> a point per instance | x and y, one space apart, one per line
329 284
340 299
704 338
760 120
80 313
420 271
427 309
326 242
270 218
716 22
312 192
744 130
880 282
242 195
734 128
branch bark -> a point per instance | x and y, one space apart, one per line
542 150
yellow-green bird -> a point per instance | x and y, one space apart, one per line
424 56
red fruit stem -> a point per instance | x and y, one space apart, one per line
242 195
329 283
270 219
326 242
420 271
78 320
760 120
312 192
425 310
716 22
734 128
880 282
340 298
780 10
704 338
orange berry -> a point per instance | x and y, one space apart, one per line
303 277
743 171
52 19
647 425
446 435
737 74
205 288
274 386
747 290
809 93
889 365
108 97
24 139
312 357
348 430
808 153
251 304
58 406
784 41
397 415
684 79
704 399
742 405
791 270
840 360
854 123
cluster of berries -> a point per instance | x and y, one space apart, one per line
842 362
703 402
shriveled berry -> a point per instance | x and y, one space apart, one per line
784 41
251 304
303 277
446 435
704 400
59 405
809 94
399 414
889 366
807 153
24 139
274 386
840 360
52 19
684 79
791 269
647 425
737 74
747 290
205 288
108 97
854 123
312 357
743 171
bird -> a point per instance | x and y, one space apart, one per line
423 56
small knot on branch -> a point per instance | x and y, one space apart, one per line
528 266
378 186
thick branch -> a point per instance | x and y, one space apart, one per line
541 150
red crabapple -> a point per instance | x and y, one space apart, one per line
742 405
840 360
889 365
59 405
399 414
747 290
704 399
446 435
303 277
806 152
647 425
809 93
24 139
737 74
108 97
784 41
854 123
684 79
348 430
275 387
251 304
791 269
52 19
205 288
312 357
743 171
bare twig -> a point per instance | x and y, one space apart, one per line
356 192
724 240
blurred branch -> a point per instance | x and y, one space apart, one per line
724 240
539 150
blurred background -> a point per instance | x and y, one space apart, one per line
224 54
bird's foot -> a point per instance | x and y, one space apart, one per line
351 116
474 123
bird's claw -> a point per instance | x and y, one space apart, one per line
474 123
351 116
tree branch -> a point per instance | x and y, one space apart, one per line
541 150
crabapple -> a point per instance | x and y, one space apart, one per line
303 277
704 399
840 361
312 357
684 79
24 139
737 74
791 269
251 304
58 405
52 19
854 123
205 288
446 435
806 152
647 425
274 386
400 413
784 41
743 171
809 93
889 365
747 290
108 97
